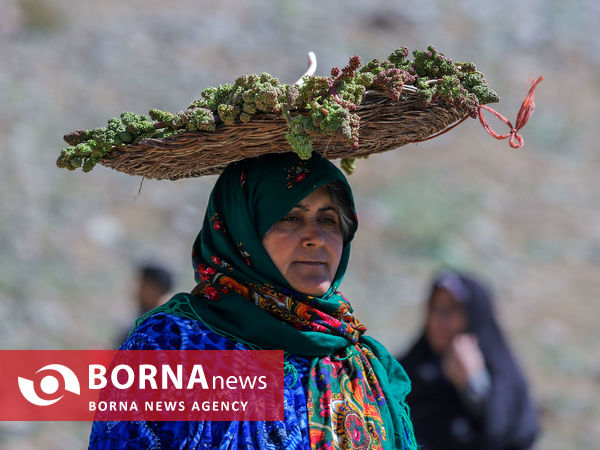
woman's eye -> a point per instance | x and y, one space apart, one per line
290 219
329 220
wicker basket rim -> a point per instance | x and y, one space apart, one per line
385 124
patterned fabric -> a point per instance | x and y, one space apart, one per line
302 314
345 413
344 395
168 331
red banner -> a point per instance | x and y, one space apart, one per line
84 385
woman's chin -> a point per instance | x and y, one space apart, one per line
315 288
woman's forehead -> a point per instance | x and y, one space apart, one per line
442 297
320 199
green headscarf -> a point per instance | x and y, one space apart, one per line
248 198
231 265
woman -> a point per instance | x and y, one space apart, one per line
467 389
268 261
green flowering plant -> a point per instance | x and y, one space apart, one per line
316 105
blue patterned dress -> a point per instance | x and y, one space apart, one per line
170 332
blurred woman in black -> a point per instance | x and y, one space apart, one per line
467 389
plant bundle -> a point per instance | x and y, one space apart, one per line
318 105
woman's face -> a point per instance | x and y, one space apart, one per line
446 319
306 244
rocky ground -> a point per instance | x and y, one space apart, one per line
528 221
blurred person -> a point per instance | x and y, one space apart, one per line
468 391
268 262
153 284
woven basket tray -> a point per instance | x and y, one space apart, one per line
385 124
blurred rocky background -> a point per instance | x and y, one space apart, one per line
527 220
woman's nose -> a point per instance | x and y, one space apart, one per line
312 235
